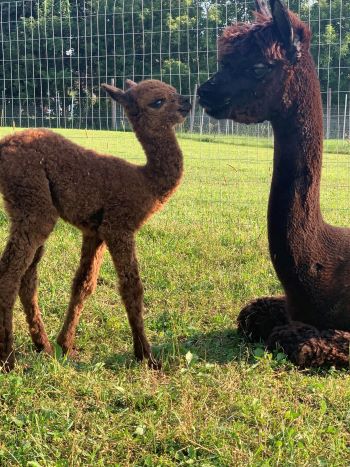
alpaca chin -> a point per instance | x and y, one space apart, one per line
246 119
219 113
227 112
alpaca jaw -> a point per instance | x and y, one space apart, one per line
234 108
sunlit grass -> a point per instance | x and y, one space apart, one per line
218 402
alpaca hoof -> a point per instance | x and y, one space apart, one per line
7 363
71 352
45 348
308 347
257 319
154 364
67 346
68 350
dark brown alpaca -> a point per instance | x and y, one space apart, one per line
43 176
267 73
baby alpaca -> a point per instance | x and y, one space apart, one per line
43 176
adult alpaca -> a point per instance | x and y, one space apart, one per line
267 73
44 176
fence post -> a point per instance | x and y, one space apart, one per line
20 111
193 110
114 110
72 111
58 110
201 122
329 103
345 109
349 122
3 117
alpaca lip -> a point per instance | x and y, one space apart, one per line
185 110
211 108
205 104
218 111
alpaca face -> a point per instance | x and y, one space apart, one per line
151 103
157 104
257 65
244 90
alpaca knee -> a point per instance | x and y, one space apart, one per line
83 286
258 318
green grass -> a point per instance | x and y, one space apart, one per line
218 401
331 145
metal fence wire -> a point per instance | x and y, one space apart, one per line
55 53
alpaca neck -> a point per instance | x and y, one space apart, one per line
164 167
295 219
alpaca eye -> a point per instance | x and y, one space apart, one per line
157 104
260 70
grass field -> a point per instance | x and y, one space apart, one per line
218 401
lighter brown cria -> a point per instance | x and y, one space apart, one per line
44 176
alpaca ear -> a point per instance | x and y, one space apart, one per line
130 83
283 23
115 93
262 8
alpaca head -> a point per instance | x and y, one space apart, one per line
151 103
258 66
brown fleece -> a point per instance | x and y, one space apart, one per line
44 176
268 73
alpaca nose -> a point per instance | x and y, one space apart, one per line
186 104
206 92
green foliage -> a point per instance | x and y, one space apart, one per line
55 52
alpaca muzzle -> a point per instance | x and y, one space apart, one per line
213 95
185 106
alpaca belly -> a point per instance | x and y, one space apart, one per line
93 221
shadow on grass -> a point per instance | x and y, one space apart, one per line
220 347
214 347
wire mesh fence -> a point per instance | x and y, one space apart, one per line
54 54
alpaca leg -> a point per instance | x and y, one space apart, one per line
257 319
17 257
307 346
131 290
29 298
84 285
